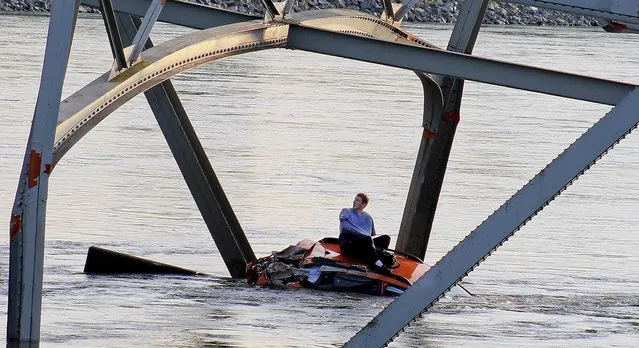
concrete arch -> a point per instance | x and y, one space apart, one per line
83 110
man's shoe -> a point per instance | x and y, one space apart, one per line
389 260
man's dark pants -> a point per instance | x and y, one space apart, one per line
361 247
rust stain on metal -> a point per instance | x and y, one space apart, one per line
14 226
429 135
451 117
47 169
34 168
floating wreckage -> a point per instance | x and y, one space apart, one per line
320 265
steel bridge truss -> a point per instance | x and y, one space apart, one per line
142 67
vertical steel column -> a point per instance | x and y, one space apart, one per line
434 150
196 168
29 209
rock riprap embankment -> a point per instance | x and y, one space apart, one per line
427 11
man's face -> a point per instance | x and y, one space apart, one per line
358 204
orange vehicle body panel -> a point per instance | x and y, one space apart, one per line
405 267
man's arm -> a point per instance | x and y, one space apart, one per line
343 215
372 227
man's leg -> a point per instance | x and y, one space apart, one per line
361 248
382 241
381 245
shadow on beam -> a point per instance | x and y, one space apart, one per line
103 261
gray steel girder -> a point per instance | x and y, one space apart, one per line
458 65
437 140
196 168
502 224
28 216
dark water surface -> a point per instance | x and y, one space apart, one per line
292 136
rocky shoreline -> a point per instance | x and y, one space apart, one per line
427 11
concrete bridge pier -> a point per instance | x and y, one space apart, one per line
194 165
437 139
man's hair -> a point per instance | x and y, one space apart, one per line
363 196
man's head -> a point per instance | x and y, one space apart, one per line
360 201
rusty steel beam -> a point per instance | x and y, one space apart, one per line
26 260
437 141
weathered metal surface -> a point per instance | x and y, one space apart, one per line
196 168
437 141
414 232
27 223
502 224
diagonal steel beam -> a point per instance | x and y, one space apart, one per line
145 29
288 6
502 224
196 168
112 32
458 65
270 9
471 15
407 6
179 12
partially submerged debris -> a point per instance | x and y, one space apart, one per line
319 265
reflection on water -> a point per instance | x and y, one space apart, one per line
292 136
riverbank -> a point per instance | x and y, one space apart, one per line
427 11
